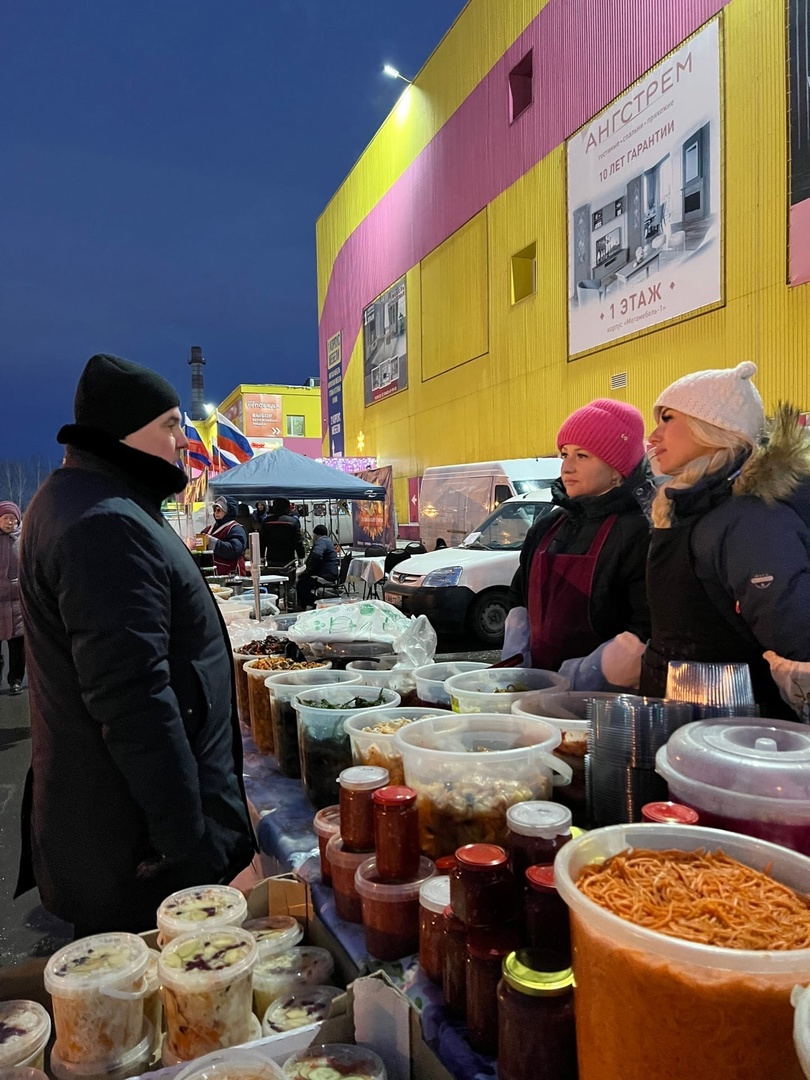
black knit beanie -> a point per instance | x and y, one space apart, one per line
119 397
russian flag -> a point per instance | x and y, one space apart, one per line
234 449
196 450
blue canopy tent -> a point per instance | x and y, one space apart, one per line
282 473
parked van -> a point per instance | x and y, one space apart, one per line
454 499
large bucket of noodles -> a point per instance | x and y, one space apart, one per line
650 1006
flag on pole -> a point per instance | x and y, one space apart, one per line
233 447
197 453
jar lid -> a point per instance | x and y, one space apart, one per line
669 813
541 877
518 973
434 894
394 795
327 821
491 944
446 864
92 963
480 856
363 778
539 818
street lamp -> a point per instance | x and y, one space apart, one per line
209 409
392 73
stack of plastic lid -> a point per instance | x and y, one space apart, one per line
627 732
234 1064
713 689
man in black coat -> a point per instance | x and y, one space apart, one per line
281 540
136 784
322 562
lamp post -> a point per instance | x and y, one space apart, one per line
392 73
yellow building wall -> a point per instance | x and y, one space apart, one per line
511 401
295 401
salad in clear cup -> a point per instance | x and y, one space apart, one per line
202 907
305 1006
25 1028
275 933
305 965
335 1061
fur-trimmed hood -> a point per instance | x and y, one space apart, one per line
781 465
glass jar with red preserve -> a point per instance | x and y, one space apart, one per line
536 831
548 927
486 950
669 813
326 825
536 1032
454 963
434 896
357 786
396 833
344 867
445 864
391 910
482 889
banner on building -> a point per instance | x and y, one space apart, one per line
262 413
385 345
799 165
334 393
376 522
644 192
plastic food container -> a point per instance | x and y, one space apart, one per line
323 744
257 671
26 1028
387 671
302 1007
344 866
275 933
335 1060
434 897
152 1002
468 770
371 735
800 999
234 1064
132 1063
22 1072
391 911
207 990
97 987
747 775
170 1060
494 690
201 908
274 976
281 689
717 1012
430 679
326 825
241 686
357 786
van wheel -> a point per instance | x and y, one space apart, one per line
487 617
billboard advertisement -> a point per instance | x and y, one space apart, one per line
385 345
262 415
644 201
376 522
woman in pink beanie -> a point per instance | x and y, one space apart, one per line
11 625
580 582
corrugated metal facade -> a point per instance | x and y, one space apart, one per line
510 401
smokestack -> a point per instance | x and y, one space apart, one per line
197 361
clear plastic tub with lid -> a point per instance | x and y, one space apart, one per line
133 1062
494 690
22 1072
275 933
326 825
343 864
274 976
308 1005
391 910
200 908
233 1064
333 1061
748 775
371 734
467 770
430 679
25 1028
97 987
281 689
389 672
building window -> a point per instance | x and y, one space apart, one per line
524 273
295 426
521 92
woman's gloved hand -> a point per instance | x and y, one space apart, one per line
793 679
621 660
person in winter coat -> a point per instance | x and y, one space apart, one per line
579 588
281 540
260 513
136 784
11 625
728 575
322 562
226 537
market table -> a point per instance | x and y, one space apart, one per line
369 570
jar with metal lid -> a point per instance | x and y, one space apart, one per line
454 963
669 813
434 896
536 831
482 889
357 786
536 1032
547 924
486 950
396 833
445 864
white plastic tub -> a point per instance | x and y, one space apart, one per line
494 690
430 680
388 672
377 747
281 689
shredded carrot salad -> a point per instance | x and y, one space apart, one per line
700 896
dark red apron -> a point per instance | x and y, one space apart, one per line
559 600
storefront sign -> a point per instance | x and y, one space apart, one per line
262 414
334 391
385 345
644 191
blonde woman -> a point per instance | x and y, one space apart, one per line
728 574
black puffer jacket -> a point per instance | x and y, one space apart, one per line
619 597
136 783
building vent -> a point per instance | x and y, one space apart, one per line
618 382
312 383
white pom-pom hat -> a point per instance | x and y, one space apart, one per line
725 397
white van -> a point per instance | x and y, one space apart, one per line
454 499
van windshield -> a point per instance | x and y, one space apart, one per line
505 529
522 486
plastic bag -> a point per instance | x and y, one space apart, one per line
413 639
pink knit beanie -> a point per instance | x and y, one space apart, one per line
10 508
609 430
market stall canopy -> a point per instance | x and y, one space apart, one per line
284 473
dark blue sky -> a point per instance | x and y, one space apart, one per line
163 164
